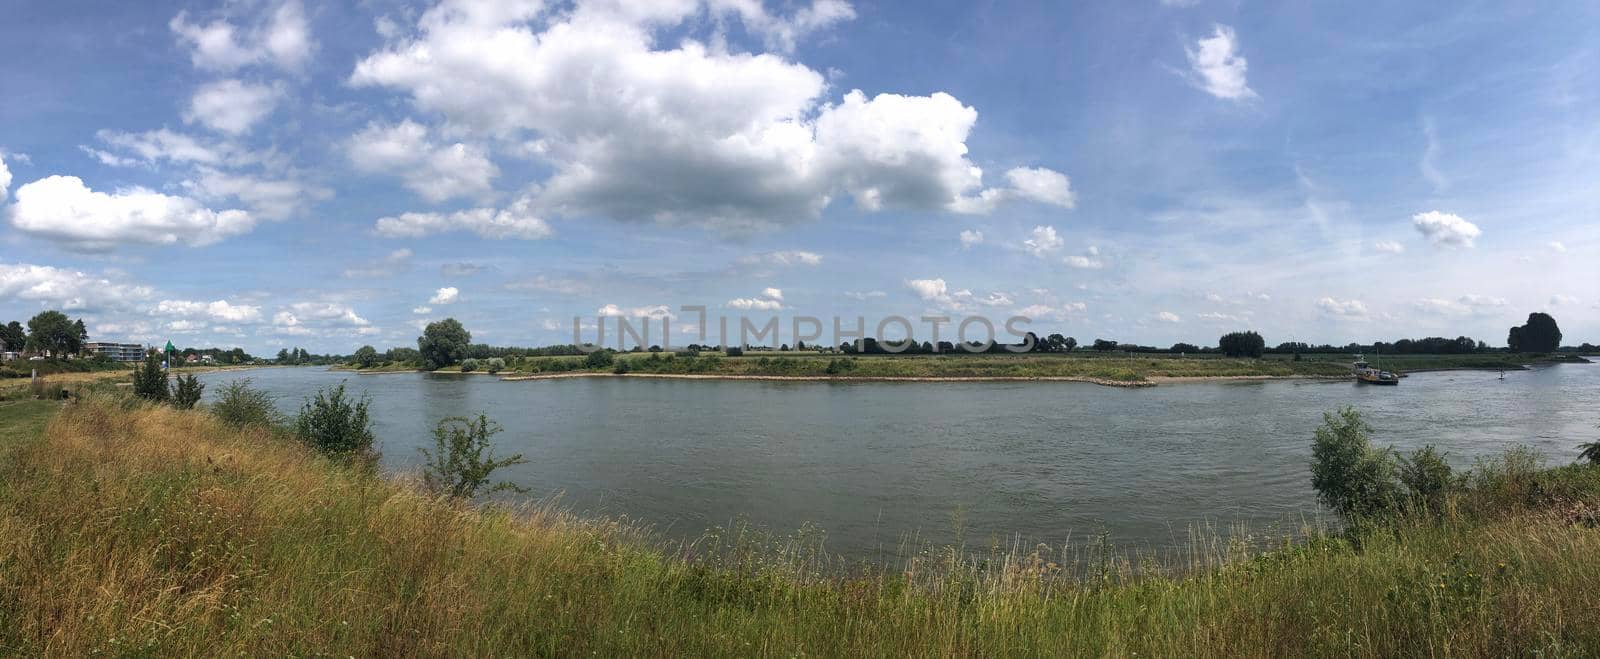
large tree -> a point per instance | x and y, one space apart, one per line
13 337
443 342
1242 344
54 331
366 356
1539 334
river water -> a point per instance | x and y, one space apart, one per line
872 464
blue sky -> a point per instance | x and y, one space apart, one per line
271 173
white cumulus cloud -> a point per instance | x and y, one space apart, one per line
636 130
971 237
220 311
232 106
1217 66
63 209
782 257
68 290
444 295
514 221
1168 317
1346 308
1389 247
281 37
435 171
1446 229
1042 241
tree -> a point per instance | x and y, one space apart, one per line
1241 344
462 460
150 381
188 392
53 331
336 424
1105 345
443 342
1539 334
81 332
366 356
402 355
13 337
1185 347
1349 475
283 356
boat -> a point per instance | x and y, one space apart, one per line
1366 373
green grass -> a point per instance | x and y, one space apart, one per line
141 531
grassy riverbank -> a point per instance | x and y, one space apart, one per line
133 530
1105 368
15 388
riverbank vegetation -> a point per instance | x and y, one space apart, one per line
446 346
133 528
1100 367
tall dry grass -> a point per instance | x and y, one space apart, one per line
134 530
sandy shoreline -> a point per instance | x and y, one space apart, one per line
831 378
1148 382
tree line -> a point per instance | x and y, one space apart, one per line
447 342
47 332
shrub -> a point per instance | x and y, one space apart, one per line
735 352
1427 476
469 365
598 359
494 365
461 461
149 381
336 424
43 389
1511 478
1350 476
239 406
621 367
188 392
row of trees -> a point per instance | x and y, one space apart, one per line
446 343
48 331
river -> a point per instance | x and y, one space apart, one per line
872 464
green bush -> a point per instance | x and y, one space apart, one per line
469 365
494 365
1349 475
336 424
188 392
150 381
599 359
1427 476
240 406
461 461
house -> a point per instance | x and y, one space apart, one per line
9 356
122 352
